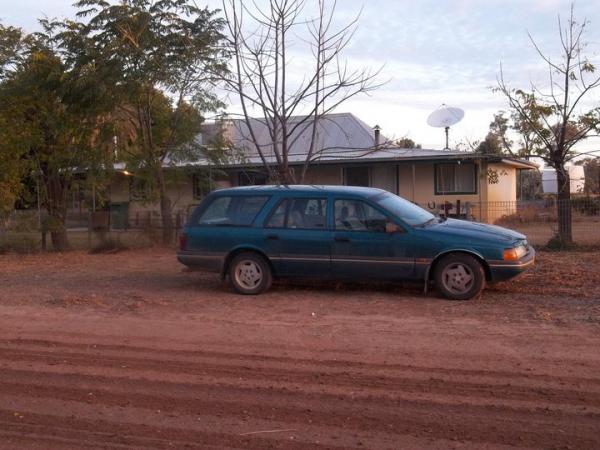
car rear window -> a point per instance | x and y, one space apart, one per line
232 210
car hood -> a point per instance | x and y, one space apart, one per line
474 230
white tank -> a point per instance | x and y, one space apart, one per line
576 175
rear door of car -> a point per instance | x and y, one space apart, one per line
226 222
298 233
363 246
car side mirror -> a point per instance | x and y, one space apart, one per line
391 228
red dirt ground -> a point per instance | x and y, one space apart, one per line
129 351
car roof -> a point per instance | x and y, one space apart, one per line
303 189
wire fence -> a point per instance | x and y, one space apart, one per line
537 219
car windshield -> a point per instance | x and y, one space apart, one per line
403 209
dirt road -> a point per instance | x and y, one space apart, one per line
127 351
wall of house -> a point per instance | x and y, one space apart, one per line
330 174
502 191
141 212
416 182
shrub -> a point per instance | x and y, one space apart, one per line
18 244
589 206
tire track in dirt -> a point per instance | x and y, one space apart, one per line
193 356
281 394
377 382
82 433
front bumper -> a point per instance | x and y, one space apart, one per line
505 270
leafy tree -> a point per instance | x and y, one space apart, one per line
556 116
10 167
163 58
407 142
50 126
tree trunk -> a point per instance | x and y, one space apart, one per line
57 213
60 240
565 233
165 209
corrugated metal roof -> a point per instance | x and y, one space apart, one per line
335 132
341 138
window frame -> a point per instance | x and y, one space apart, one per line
249 178
376 207
146 191
369 175
195 219
437 190
287 211
199 193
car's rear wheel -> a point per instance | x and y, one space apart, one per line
250 274
459 276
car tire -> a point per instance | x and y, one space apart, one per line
250 274
459 276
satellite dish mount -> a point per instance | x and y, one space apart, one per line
445 117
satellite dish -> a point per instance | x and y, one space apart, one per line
445 117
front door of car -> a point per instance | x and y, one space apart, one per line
368 244
297 233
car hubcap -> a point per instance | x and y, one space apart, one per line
248 274
458 278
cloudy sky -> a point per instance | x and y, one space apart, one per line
433 52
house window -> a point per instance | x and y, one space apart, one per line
357 176
139 189
248 178
455 178
201 186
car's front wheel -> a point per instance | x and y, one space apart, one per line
459 276
250 274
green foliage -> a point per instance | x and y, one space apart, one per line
51 126
163 59
556 116
407 142
491 145
590 206
18 243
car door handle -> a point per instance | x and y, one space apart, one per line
342 239
272 237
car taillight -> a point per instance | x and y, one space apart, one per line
183 242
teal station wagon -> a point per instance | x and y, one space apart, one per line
253 234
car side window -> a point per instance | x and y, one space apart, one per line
356 215
232 211
301 213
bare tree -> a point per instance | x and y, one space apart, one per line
263 80
555 116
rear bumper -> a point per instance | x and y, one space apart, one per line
208 262
505 270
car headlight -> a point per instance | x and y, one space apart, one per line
515 253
